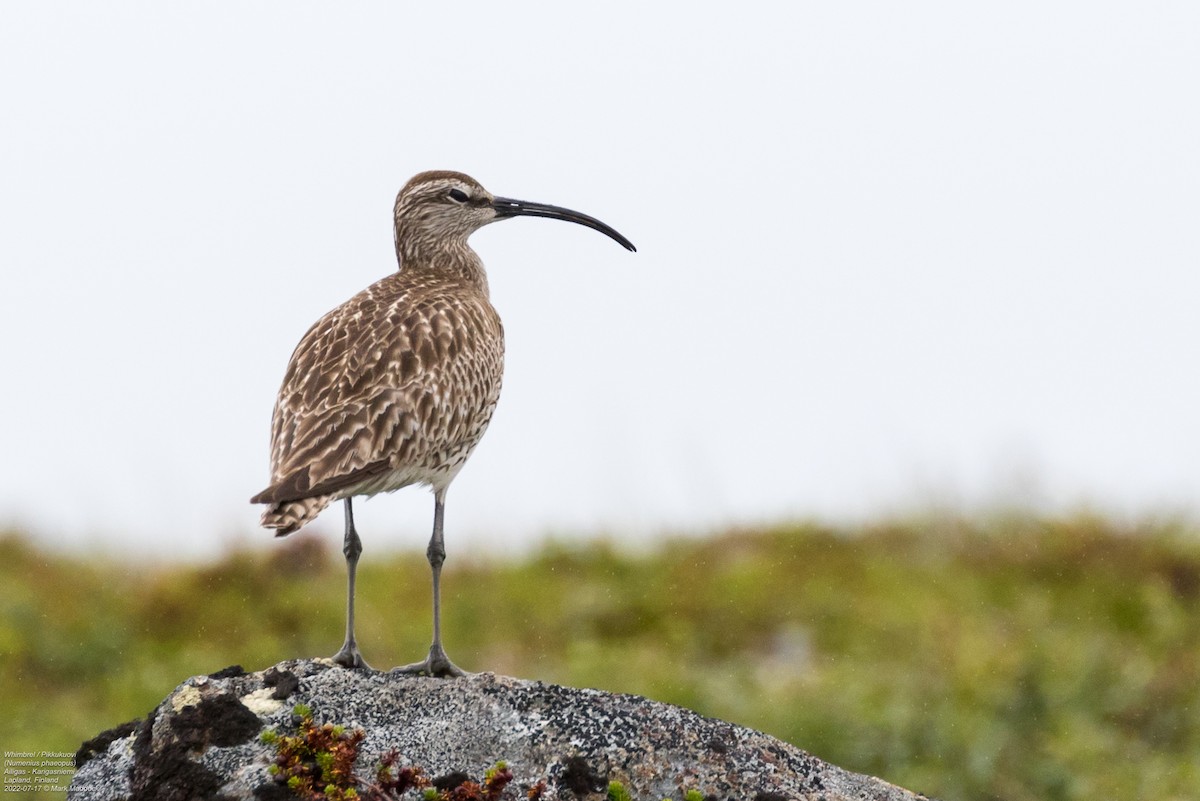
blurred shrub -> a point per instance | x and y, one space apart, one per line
1009 658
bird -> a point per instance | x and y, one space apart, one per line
396 386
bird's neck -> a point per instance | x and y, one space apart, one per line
446 259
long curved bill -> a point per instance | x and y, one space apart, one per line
506 207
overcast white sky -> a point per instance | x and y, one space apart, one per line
888 254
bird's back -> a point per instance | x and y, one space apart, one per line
394 387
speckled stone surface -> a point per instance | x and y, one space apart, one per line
202 742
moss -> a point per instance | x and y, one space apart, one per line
317 762
617 792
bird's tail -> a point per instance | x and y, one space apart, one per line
290 516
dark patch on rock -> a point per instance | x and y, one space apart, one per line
221 720
718 745
449 781
100 743
581 778
144 739
228 673
285 683
765 796
273 791
171 775
167 770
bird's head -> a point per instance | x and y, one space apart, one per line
440 209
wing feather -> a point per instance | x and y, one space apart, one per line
370 381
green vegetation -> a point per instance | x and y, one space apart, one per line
1002 659
617 792
317 764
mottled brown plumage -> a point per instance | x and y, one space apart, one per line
396 386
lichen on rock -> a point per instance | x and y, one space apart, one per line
205 741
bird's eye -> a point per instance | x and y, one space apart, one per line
459 195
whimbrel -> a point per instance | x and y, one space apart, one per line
396 386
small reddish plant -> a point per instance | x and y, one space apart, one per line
392 780
317 762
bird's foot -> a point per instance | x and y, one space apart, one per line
349 657
436 664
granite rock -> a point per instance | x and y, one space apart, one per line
204 740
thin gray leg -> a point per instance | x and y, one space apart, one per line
352 548
437 663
